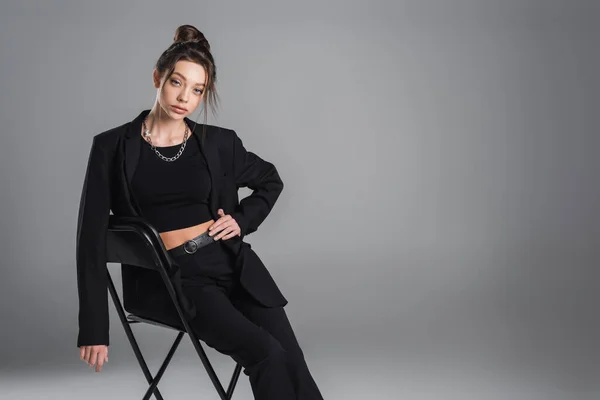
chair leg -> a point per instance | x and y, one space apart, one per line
234 379
195 342
207 365
129 333
164 366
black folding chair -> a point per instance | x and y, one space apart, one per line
131 240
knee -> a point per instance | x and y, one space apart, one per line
269 354
273 350
275 353
286 351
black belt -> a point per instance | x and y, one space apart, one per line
192 245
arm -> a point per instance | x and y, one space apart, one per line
92 224
262 177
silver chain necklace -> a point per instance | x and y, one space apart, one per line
149 140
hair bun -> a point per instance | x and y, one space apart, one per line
189 33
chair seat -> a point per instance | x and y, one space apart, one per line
154 321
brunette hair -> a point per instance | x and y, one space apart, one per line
189 44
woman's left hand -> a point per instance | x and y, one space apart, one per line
226 227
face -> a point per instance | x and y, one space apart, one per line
183 89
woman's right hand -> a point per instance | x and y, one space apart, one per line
94 355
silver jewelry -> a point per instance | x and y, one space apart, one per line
149 140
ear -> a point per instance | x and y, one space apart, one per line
156 78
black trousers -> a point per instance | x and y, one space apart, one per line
229 320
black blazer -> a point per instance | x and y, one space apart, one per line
112 161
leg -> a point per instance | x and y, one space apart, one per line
221 326
275 321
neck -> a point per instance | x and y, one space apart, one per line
163 128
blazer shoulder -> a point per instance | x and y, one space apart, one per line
217 130
112 132
108 138
221 135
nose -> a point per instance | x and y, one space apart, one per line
183 96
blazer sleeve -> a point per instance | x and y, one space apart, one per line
262 177
92 224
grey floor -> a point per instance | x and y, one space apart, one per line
340 376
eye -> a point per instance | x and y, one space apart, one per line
199 91
174 81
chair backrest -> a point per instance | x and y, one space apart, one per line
132 240
148 291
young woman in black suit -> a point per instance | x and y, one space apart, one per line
174 187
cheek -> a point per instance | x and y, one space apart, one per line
167 93
193 102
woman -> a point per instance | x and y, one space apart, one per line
184 182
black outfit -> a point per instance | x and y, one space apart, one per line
231 300
173 195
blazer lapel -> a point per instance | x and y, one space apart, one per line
210 150
133 145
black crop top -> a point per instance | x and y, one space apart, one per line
173 195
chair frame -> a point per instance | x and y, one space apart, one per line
154 257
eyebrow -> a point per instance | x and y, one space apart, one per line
183 77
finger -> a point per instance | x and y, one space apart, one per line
217 227
93 358
221 220
234 229
221 233
87 354
230 235
100 364
224 232
81 352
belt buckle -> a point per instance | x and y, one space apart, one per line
192 244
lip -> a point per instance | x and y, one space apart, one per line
179 109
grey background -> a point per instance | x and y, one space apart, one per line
438 235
